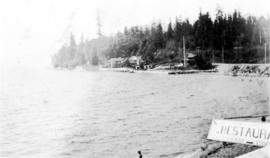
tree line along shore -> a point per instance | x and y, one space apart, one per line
226 38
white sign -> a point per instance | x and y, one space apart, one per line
253 133
260 153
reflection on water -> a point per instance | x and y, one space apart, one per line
108 114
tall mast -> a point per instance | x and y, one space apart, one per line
184 51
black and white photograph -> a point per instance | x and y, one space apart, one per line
134 79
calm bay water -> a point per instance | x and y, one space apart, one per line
96 114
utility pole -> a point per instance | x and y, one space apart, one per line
184 51
99 24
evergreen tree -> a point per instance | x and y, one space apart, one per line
178 31
157 37
203 29
169 32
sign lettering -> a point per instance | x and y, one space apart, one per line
255 133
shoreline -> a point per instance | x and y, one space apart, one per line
262 70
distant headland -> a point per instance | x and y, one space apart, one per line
228 38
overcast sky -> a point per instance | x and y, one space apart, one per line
32 30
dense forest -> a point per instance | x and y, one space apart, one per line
228 38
